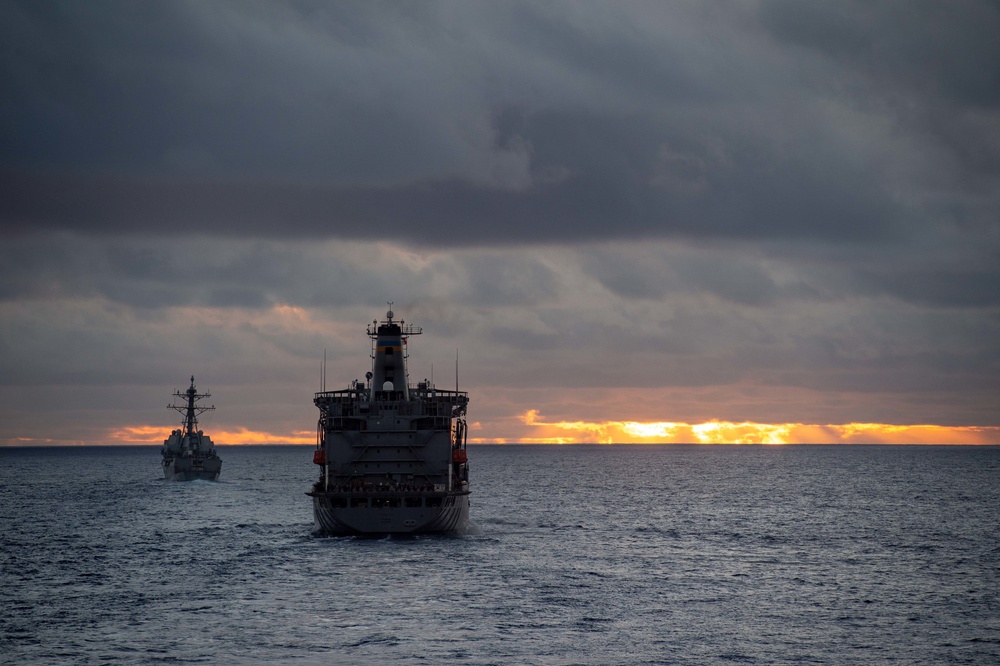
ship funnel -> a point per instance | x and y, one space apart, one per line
389 367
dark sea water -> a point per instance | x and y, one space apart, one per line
580 555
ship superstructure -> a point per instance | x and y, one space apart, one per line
392 455
189 453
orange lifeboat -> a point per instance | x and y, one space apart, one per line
459 456
319 457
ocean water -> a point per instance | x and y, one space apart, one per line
578 555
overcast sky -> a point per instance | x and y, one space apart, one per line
751 211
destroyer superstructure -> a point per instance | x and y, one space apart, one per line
189 453
392 455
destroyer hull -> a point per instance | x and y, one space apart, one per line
188 454
186 469
346 513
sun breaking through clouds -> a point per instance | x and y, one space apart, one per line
724 432
536 430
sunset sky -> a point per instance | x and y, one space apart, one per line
748 221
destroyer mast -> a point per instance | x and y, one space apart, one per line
191 409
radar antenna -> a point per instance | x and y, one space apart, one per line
191 409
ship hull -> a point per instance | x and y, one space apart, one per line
346 513
392 455
190 469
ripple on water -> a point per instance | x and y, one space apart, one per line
717 555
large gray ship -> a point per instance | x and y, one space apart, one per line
392 456
189 453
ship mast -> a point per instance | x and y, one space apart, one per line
191 409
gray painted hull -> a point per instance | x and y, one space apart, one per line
191 469
331 519
392 455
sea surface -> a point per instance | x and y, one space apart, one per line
578 555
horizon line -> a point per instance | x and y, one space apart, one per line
50 444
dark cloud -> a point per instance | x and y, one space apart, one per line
497 123
796 204
931 69
939 288
925 48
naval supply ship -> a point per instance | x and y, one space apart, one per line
392 456
188 453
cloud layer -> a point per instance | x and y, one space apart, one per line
755 211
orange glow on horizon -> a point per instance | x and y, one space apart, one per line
220 437
537 430
728 432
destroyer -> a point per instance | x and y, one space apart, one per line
189 453
392 456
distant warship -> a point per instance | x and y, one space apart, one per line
189 453
392 456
